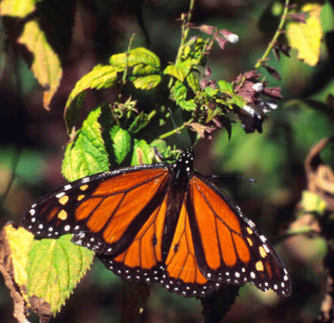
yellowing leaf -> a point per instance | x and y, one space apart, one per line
306 38
14 248
101 77
17 8
46 64
55 268
19 241
141 153
312 202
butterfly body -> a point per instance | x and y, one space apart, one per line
162 223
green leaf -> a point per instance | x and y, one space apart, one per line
46 65
71 113
179 91
147 82
86 155
179 71
162 148
237 100
210 91
140 55
145 56
186 52
143 69
189 105
179 94
55 268
145 65
101 77
225 87
193 82
121 143
142 153
17 8
160 144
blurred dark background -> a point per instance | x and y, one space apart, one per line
32 142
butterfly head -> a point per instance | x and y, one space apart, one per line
183 167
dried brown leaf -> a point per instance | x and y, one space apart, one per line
320 177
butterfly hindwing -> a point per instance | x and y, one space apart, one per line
142 260
183 273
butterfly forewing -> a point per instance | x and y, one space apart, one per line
103 211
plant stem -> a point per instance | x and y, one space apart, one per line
176 130
125 74
277 34
151 115
127 57
185 30
184 35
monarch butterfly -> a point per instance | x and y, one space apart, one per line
162 223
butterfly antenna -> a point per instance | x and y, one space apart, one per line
247 179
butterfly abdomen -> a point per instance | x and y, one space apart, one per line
177 187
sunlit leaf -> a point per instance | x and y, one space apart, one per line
312 202
136 57
147 82
101 77
179 91
237 100
225 87
177 71
46 64
15 245
56 267
193 82
162 147
306 38
142 153
188 105
17 8
145 72
20 241
210 91
86 155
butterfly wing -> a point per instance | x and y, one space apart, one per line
215 244
228 247
142 261
105 211
183 274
